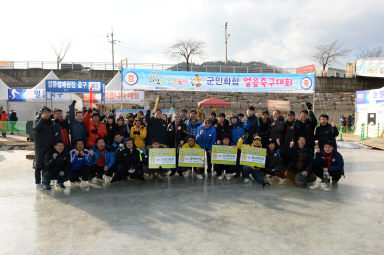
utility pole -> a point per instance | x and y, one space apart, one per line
226 46
112 42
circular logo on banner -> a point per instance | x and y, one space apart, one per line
131 78
306 83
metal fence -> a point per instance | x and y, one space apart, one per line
86 66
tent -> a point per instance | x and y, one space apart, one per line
114 84
3 94
213 101
50 76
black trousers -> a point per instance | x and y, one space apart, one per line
209 170
122 173
336 175
98 171
82 173
229 169
293 171
49 176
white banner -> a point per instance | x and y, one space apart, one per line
114 97
372 67
36 95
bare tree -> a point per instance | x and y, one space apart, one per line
329 53
60 54
187 49
370 52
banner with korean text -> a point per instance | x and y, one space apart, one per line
191 157
162 157
224 155
36 95
253 156
146 79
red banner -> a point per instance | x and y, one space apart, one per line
305 69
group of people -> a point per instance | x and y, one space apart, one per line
6 118
86 146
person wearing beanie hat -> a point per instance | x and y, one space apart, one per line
273 165
327 164
44 140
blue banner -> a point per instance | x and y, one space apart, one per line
75 86
145 79
36 95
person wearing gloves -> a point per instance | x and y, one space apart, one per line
222 128
326 132
129 162
101 162
254 170
44 140
139 133
56 166
206 137
327 164
156 126
95 128
79 158
299 169
307 125
291 131
77 126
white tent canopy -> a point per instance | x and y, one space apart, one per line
3 91
50 76
114 84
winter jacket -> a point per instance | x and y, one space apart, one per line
273 160
157 128
176 134
61 131
277 129
78 129
115 146
208 138
326 133
111 131
3 122
307 129
223 129
78 161
44 139
193 126
265 129
252 125
131 159
93 131
123 130
334 162
240 143
293 154
138 135
237 131
109 157
290 134
195 146
13 117
55 162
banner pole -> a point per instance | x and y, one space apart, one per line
90 97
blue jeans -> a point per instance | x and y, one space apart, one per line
257 175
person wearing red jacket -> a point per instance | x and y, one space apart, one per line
3 123
95 128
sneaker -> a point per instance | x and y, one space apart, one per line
84 184
61 185
39 186
47 187
228 176
324 186
335 184
151 176
237 175
67 191
267 179
246 180
282 181
160 176
220 177
315 185
200 177
209 174
94 180
107 179
186 173
168 173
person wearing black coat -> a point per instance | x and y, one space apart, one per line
111 127
222 128
291 131
129 162
177 132
265 128
307 125
326 132
156 127
273 164
44 139
121 128
13 119
77 126
277 128
56 166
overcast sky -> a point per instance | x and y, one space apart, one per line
279 32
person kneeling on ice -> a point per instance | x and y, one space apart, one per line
191 144
299 168
273 165
118 142
101 162
56 166
229 169
159 171
79 164
129 162
254 170
328 163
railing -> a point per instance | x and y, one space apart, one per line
86 66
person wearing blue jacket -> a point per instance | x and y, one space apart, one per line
237 129
79 164
251 122
206 137
327 164
101 161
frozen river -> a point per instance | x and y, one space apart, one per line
187 216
